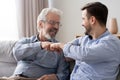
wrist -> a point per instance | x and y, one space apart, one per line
41 45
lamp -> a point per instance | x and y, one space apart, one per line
113 27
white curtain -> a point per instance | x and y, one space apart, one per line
8 29
27 12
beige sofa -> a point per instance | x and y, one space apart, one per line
7 61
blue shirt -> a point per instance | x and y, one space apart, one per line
95 59
34 62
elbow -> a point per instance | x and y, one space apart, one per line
15 54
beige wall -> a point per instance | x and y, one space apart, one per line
71 19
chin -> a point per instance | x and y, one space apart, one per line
48 36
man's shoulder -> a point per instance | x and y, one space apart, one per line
28 39
110 37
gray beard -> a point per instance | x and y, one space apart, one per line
48 36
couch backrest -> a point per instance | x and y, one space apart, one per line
7 61
6 51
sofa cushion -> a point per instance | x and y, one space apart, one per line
6 51
7 69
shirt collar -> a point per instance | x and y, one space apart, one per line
37 39
104 34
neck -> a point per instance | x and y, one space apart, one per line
98 32
41 37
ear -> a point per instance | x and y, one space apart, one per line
40 24
92 20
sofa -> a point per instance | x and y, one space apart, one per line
8 62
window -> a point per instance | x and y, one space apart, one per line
8 20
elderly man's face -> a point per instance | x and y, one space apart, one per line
51 25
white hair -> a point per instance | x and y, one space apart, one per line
45 11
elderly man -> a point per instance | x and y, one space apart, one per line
34 62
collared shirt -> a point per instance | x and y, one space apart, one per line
95 59
35 62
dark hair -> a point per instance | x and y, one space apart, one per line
98 10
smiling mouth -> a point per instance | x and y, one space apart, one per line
53 32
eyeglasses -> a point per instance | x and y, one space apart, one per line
51 22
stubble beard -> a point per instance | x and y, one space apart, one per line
88 32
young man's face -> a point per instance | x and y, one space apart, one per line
86 22
51 25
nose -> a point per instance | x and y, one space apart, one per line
56 26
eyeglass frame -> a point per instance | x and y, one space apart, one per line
52 22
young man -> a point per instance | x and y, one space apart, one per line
97 54
36 63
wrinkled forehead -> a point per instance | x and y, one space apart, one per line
53 16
